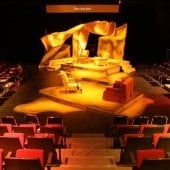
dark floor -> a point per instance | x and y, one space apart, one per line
88 121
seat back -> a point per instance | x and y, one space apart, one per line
119 119
17 135
148 153
10 144
27 131
1 158
124 129
156 137
133 144
31 153
159 120
45 143
54 120
155 164
9 120
32 119
163 143
4 128
140 120
12 163
149 129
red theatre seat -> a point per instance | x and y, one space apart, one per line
121 91
1 158
148 153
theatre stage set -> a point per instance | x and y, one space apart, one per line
98 82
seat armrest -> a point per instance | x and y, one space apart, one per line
168 154
121 142
9 154
49 159
133 159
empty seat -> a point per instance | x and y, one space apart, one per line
163 143
149 129
57 131
18 135
54 120
155 164
4 128
140 120
133 144
9 120
159 120
32 119
140 155
27 129
47 144
124 129
1 158
13 163
119 119
31 153
10 144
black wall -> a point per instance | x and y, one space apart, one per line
23 23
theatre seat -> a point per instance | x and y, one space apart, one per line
31 153
121 91
1 158
143 154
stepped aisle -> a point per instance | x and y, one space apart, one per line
90 152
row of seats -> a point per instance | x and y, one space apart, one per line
141 134
147 159
29 118
122 119
31 136
134 142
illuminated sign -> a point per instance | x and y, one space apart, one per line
99 8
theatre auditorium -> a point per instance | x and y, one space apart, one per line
84 85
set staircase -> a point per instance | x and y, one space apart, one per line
90 152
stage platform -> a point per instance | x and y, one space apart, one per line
89 99
93 71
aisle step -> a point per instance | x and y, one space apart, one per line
114 153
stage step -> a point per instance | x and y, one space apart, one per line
69 167
94 152
90 152
88 135
90 143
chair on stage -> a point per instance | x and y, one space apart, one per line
70 84
121 91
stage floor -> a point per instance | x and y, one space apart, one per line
91 97
38 96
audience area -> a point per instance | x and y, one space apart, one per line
83 139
